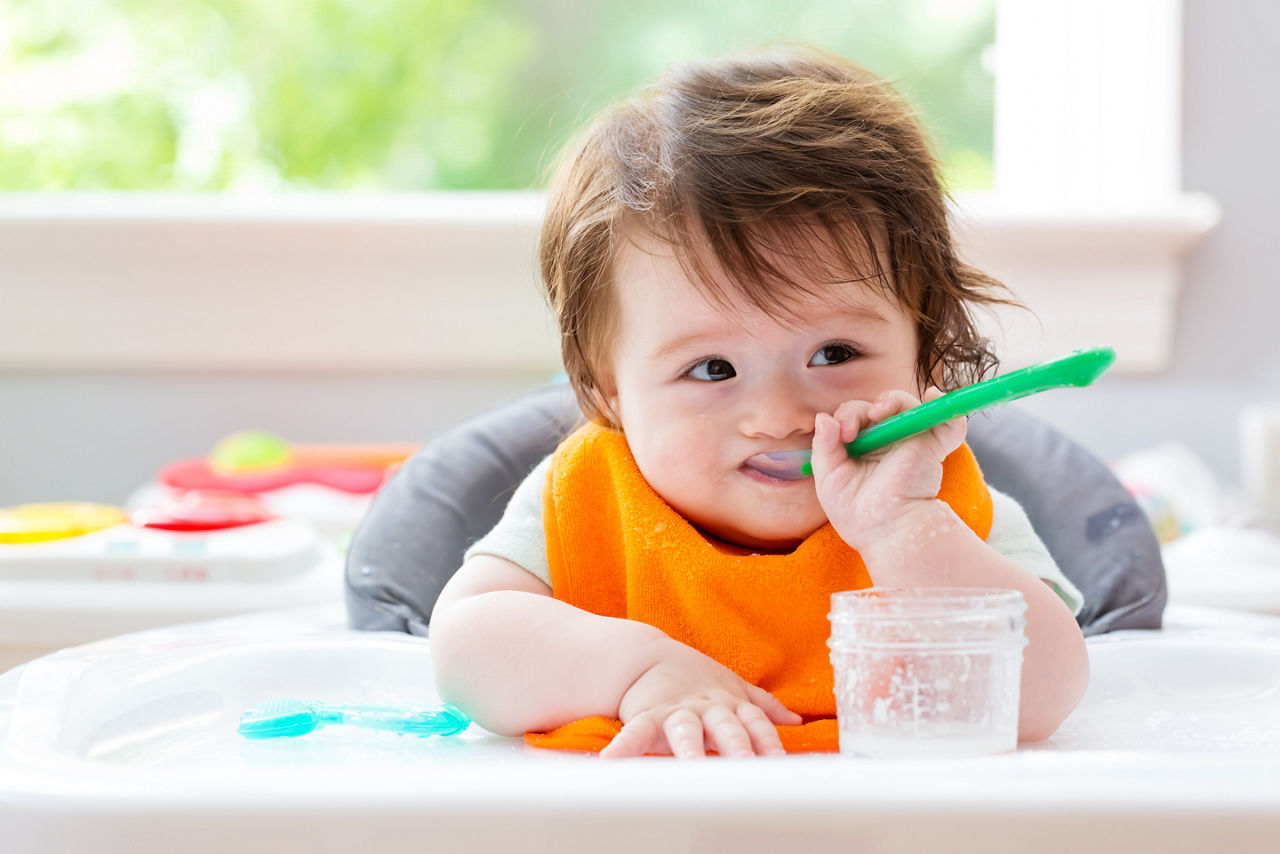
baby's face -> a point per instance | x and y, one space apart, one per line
700 388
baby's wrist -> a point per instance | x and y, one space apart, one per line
656 649
903 530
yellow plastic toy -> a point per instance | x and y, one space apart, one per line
37 523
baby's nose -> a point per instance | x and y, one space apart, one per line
777 413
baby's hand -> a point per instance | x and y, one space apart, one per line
688 703
869 497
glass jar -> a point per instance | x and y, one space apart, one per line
927 671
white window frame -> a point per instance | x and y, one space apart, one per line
1087 224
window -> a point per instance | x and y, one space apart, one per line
1085 220
402 95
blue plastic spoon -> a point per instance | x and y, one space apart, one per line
287 718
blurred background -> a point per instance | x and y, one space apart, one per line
406 95
106 101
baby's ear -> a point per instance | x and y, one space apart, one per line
606 396
607 383
606 390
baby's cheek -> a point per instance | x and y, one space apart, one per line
659 462
664 445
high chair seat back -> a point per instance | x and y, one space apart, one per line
456 487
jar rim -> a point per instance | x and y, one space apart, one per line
1008 643
914 599
981 609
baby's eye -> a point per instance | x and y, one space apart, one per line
832 354
712 370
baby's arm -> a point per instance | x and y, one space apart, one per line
516 660
884 505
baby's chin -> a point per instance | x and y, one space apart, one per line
774 542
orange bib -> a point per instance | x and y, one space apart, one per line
617 549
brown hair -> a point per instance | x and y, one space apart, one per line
789 154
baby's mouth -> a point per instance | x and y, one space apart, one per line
781 465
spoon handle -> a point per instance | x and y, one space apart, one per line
1076 369
1079 368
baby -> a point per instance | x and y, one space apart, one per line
752 256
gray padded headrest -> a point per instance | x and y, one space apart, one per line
1100 538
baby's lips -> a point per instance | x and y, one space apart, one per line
783 465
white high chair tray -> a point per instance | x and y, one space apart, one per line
1225 568
130 745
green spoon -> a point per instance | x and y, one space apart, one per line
1077 369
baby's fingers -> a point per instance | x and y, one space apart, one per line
641 735
727 733
764 735
772 706
891 403
828 450
683 729
949 434
679 733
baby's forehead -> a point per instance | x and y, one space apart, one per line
789 268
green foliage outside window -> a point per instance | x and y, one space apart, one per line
198 95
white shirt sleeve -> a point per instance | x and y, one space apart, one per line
1012 536
519 537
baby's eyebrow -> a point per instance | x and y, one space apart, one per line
856 313
863 313
682 342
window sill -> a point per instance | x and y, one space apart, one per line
1089 275
446 282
